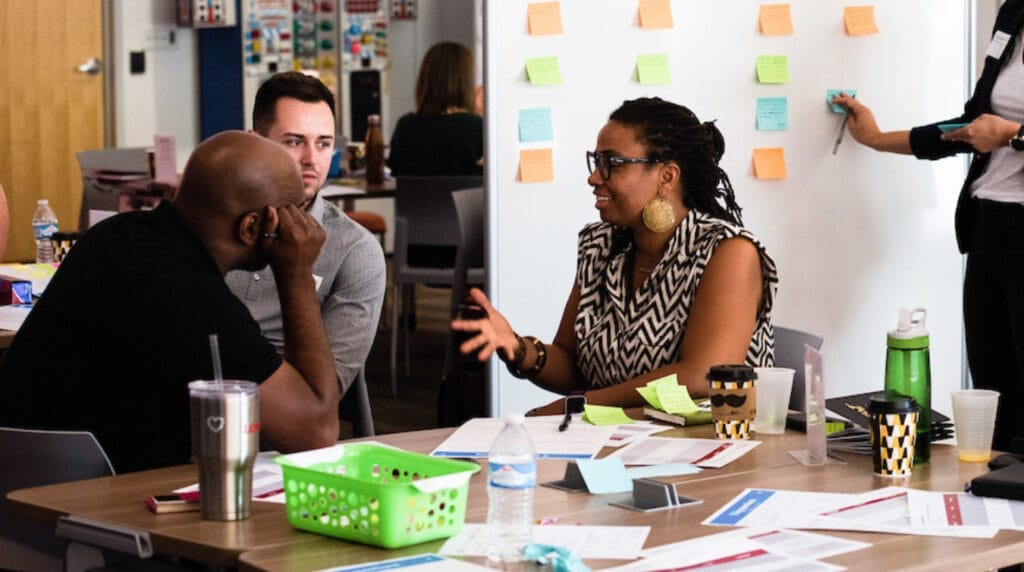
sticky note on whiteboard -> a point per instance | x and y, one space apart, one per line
543 70
535 125
772 114
775 20
652 69
769 163
535 166
655 15
860 20
544 18
772 69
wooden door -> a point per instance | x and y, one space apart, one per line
48 109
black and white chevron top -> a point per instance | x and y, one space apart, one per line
618 337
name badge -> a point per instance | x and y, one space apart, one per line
998 45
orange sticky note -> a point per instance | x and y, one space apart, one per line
776 20
535 166
769 163
860 20
655 15
545 18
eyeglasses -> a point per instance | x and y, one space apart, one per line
604 162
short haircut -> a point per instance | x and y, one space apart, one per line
296 85
445 80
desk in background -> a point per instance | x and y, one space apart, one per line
267 542
344 192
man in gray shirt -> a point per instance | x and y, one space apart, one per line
297 111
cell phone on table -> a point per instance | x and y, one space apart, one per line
162 504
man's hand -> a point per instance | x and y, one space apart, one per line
291 240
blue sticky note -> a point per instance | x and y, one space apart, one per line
836 108
772 114
946 127
535 125
603 476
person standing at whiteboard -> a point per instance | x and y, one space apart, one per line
989 213
668 282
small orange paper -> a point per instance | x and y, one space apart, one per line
655 15
860 20
545 18
776 20
769 163
535 166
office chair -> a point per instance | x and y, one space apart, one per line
789 352
424 216
355 407
469 258
32 458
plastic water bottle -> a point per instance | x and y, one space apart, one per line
908 372
511 480
44 224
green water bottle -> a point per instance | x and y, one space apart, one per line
907 372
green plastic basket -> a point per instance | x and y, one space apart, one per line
376 495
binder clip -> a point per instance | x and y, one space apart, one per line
572 481
650 495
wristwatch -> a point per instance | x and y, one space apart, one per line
1017 141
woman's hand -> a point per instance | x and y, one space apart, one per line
493 331
556 407
986 133
862 123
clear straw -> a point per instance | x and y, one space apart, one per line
218 374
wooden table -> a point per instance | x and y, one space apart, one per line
267 542
383 190
6 337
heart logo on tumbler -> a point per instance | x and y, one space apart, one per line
215 423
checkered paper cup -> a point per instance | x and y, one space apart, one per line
893 433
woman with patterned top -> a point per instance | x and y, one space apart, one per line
668 282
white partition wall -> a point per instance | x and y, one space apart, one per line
856 235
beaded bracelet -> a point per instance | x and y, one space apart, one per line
538 364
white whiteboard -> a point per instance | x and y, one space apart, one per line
855 236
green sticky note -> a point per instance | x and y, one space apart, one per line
650 395
543 71
670 379
605 415
676 399
773 69
652 69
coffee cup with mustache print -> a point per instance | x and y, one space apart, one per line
733 400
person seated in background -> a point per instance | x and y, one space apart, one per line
443 136
297 112
669 282
124 324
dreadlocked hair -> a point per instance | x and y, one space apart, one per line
671 132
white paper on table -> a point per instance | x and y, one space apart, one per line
708 453
932 508
597 542
762 507
579 441
38 274
267 480
713 553
887 510
431 562
809 545
626 434
333 191
13 316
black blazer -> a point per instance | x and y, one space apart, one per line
925 141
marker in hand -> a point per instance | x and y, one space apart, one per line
842 130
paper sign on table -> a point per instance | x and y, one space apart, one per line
769 163
772 113
535 166
165 159
773 69
836 108
652 69
545 18
605 415
775 20
655 15
604 476
860 20
544 70
535 125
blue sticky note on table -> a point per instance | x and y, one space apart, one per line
947 127
535 125
603 476
772 113
836 108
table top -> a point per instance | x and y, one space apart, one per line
267 542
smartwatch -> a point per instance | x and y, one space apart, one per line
1017 141
574 402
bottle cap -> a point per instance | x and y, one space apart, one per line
910 332
515 419
43 202
373 119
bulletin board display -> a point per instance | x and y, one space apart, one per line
855 234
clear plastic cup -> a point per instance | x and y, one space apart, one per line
974 416
774 384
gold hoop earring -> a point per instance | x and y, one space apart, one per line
659 215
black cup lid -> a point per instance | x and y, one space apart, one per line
732 372
891 402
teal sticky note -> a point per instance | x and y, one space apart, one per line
772 113
773 69
603 476
947 127
652 69
543 70
535 125
836 108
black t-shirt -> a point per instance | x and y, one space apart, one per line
437 145
120 331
